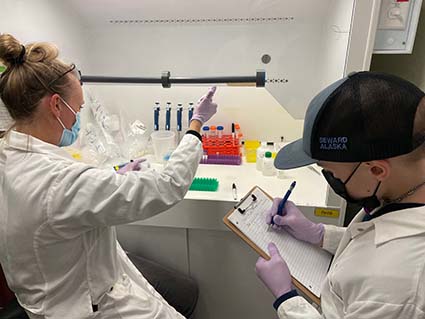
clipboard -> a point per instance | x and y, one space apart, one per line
256 216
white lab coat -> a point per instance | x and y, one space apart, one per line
58 246
378 270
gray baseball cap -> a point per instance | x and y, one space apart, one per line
362 117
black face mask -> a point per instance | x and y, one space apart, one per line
338 186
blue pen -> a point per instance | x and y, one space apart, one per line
284 200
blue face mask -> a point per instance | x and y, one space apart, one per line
69 136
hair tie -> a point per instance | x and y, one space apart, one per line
21 58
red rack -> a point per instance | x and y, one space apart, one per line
225 145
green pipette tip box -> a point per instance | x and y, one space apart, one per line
204 184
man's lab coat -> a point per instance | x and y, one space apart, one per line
378 270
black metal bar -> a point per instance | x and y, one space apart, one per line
212 80
119 79
261 78
166 81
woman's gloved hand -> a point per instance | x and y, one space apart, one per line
295 223
205 108
274 273
135 165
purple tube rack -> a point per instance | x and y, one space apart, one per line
222 159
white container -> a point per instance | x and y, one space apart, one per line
280 145
213 131
206 131
268 165
281 174
260 155
163 143
220 130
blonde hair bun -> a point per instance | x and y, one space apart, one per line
11 50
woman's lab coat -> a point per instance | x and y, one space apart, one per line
378 270
58 246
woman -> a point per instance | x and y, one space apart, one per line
58 246
367 132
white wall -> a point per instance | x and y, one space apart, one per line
336 32
214 50
305 51
299 51
45 20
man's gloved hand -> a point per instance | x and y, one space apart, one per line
274 273
295 223
136 165
205 108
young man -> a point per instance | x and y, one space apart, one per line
367 132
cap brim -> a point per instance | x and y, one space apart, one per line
293 156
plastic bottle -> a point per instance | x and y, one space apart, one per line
281 174
213 131
220 131
238 131
268 167
206 131
260 155
250 147
270 146
280 145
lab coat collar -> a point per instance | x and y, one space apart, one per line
28 143
393 225
399 224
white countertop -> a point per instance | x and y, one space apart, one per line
310 190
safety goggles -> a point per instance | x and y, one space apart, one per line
73 69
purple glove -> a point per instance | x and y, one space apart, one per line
205 108
133 166
295 223
274 273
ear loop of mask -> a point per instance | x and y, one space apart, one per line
368 203
352 173
70 108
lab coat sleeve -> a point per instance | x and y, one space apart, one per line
83 197
332 237
370 309
297 308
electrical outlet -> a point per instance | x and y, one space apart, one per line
394 14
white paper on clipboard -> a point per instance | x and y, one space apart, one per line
307 263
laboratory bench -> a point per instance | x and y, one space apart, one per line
192 238
205 210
